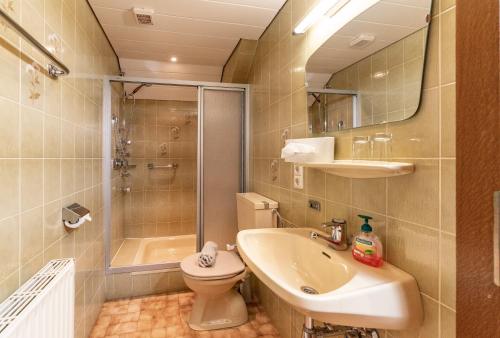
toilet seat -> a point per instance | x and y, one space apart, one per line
227 265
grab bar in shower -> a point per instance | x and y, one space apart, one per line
168 166
54 70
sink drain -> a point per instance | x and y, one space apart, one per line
309 290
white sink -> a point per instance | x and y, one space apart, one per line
349 293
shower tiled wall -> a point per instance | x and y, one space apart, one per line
162 202
413 214
51 147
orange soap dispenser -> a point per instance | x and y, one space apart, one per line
366 247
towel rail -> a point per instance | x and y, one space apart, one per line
54 69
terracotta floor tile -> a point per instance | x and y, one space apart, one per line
124 318
98 331
166 316
159 333
122 328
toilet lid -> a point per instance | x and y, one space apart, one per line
227 264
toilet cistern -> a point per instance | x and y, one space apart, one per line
338 234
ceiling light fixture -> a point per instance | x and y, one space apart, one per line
173 59
324 7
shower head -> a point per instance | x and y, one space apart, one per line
139 87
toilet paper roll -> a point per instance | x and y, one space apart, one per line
80 222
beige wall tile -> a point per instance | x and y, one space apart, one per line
53 228
448 270
30 268
9 58
338 189
315 182
448 323
52 179
415 249
52 137
9 285
369 194
31 234
448 195
31 183
448 123
31 133
9 128
447 21
415 197
9 248
9 181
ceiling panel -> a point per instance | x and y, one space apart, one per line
209 60
118 17
197 32
198 9
136 34
270 4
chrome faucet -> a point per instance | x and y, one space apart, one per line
338 235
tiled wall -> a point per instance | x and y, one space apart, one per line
237 68
162 202
50 154
414 214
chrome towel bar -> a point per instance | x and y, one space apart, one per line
54 69
168 166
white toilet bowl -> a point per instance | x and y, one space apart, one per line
217 304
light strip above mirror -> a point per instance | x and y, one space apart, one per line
332 9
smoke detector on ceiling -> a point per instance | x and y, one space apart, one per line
143 16
362 40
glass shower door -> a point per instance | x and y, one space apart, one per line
221 162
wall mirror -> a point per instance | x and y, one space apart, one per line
370 70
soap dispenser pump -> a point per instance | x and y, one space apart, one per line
367 247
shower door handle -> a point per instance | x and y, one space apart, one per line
168 166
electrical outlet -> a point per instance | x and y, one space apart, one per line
298 176
298 182
298 170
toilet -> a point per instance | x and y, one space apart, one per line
217 304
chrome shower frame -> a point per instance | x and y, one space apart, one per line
107 157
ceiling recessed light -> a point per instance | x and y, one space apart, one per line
173 59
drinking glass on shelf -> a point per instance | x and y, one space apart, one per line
360 147
381 144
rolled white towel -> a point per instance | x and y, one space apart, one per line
293 148
208 255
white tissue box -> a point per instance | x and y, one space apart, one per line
319 149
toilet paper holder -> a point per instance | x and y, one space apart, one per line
75 215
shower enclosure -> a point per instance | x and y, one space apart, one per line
175 153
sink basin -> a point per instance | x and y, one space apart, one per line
330 285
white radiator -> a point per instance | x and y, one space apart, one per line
44 306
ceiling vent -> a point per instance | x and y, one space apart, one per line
143 16
362 40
